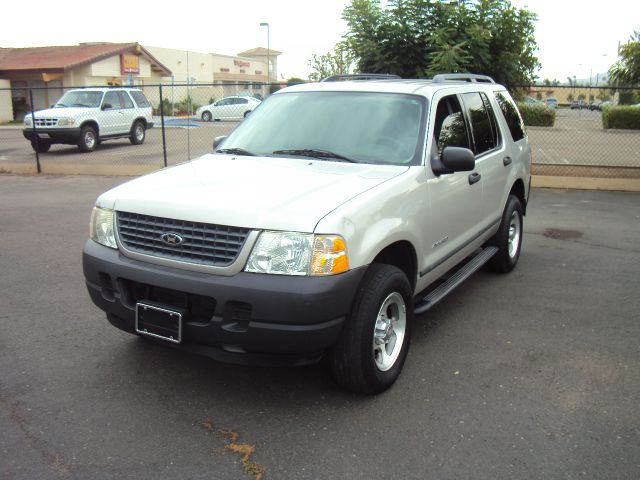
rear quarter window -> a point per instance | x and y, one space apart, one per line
140 99
511 115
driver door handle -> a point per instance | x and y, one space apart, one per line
474 178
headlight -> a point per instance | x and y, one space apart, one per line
66 122
292 253
27 120
101 227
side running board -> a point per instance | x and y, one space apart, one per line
456 279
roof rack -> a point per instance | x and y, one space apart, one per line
360 76
462 77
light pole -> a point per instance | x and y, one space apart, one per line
265 24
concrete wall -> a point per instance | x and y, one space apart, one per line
6 108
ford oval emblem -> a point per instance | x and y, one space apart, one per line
172 239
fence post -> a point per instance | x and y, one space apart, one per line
164 140
35 140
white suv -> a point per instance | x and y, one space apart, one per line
321 225
86 117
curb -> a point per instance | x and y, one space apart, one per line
586 183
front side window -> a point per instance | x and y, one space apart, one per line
112 99
450 129
364 127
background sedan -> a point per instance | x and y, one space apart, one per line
229 108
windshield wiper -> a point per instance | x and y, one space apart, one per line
236 151
312 152
59 105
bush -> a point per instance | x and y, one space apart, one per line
622 117
537 115
166 106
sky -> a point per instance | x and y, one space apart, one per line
574 37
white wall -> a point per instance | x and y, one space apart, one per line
6 108
184 64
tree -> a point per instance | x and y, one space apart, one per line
420 38
294 81
337 61
626 71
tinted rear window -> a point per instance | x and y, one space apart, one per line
511 115
481 125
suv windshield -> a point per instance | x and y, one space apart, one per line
355 126
84 98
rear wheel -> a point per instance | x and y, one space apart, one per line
370 354
88 139
40 145
138 133
508 238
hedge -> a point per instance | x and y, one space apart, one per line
537 115
623 117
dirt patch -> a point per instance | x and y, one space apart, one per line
562 234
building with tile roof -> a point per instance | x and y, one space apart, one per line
47 71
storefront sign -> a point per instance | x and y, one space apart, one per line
129 64
241 63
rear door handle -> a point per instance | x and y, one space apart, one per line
507 161
474 178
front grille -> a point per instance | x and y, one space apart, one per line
202 243
46 122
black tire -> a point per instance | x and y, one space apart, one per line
246 114
206 116
138 133
41 146
354 359
88 139
508 237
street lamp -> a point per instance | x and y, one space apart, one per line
265 24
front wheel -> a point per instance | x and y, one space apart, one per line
88 139
370 354
206 116
508 238
138 133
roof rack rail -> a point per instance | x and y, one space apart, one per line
360 76
462 77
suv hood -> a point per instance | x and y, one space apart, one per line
253 192
61 112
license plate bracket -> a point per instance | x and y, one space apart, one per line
159 322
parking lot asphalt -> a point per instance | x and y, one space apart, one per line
535 374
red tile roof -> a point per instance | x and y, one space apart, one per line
59 59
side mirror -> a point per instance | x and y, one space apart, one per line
106 106
217 141
458 159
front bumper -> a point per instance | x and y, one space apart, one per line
69 136
246 318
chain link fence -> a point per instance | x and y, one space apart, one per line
111 131
187 118
578 145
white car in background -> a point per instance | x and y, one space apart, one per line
229 108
